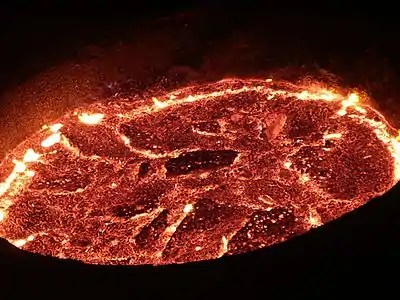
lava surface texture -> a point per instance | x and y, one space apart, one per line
205 171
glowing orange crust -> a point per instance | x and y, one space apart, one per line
198 173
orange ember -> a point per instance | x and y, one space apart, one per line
198 173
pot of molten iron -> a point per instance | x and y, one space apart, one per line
195 174
202 171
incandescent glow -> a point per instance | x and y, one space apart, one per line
333 136
318 95
56 127
202 172
31 156
91 119
51 140
315 219
20 167
188 208
30 173
125 139
22 242
158 103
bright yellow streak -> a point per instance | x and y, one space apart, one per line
287 164
158 103
51 140
188 208
224 246
20 167
56 127
31 156
318 95
125 139
351 100
30 173
92 119
333 136
4 186
20 243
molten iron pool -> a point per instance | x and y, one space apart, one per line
205 171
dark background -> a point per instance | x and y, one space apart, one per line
54 58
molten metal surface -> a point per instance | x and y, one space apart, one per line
201 172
